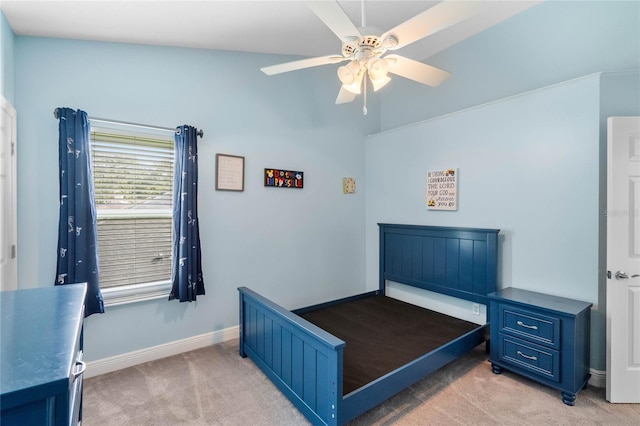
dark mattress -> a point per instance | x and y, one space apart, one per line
382 334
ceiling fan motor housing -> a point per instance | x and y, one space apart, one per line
373 45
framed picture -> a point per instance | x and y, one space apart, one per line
348 185
229 172
283 178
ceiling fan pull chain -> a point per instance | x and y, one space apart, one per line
364 106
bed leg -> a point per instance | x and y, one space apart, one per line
487 346
241 326
241 351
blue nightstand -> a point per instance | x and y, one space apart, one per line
542 337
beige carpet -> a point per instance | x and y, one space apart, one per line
214 386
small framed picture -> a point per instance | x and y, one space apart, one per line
229 172
279 178
348 185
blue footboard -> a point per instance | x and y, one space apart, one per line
302 360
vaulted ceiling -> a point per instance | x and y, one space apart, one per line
268 26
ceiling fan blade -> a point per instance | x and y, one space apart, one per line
302 63
334 17
416 71
432 20
345 96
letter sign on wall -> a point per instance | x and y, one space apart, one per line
442 190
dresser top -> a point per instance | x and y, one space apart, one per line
545 301
40 329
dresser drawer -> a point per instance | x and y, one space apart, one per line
75 395
536 359
529 325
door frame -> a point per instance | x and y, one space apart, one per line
12 211
618 214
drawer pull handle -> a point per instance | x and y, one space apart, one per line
532 358
532 327
79 371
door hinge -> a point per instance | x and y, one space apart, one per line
13 251
13 148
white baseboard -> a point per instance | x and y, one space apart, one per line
598 378
107 365
129 359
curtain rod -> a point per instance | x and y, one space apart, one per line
127 123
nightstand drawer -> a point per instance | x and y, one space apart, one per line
529 325
536 359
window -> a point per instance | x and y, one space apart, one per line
133 178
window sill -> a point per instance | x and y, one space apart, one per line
123 295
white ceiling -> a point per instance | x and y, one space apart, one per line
267 26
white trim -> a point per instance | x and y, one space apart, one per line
124 294
129 359
9 231
495 101
598 378
109 124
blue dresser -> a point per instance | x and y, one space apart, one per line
41 355
542 337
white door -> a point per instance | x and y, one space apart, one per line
623 259
8 225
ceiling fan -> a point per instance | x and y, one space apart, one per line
365 47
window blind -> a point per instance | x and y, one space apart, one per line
133 179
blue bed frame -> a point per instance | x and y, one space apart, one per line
305 362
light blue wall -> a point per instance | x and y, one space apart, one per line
297 246
512 157
527 165
7 68
552 42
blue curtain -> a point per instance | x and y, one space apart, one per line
77 232
186 273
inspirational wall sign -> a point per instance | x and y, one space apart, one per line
283 178
442 190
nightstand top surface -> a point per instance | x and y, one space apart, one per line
546 301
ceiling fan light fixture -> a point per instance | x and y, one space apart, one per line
355 86
348 73
378 68
380 83
345 75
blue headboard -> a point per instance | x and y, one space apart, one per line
459 262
